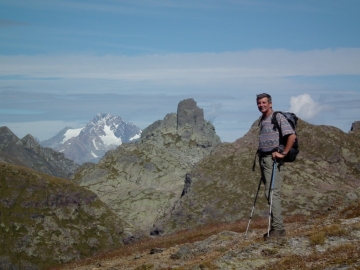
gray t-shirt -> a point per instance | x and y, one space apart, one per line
269 136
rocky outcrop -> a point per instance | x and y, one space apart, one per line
355 127
29 153
223 184
47 221
141 181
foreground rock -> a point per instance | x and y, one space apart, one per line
328 240
142 181
47 221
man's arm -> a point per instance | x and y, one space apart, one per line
289 143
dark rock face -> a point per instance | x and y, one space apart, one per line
29 153
189 115
47 221
355 127
187 184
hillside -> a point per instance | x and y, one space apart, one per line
224 185
47 221
329 239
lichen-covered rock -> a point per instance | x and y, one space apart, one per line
47 221
143 180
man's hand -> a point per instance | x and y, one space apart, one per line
289 143
277 155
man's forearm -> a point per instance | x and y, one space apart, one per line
289 143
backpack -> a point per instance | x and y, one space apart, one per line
292 119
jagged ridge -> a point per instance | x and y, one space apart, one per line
29 153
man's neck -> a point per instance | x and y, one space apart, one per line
269 112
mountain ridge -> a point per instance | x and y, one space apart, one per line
29 153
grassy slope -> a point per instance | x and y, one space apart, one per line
46 220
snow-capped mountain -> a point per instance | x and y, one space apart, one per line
103 133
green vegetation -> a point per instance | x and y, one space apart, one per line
46 220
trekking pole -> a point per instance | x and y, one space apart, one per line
271 193
252 211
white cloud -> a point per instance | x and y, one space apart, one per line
305 107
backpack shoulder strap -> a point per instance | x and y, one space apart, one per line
275 122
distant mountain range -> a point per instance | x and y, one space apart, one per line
89 144
29 153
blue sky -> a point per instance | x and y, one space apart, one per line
62 62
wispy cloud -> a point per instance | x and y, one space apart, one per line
192 68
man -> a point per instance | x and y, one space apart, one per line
270 151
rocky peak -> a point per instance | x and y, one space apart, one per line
7 136
189 124
101 120
355 127
29 142
189 115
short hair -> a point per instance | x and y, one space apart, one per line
263 95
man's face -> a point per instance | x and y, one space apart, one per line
264 105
